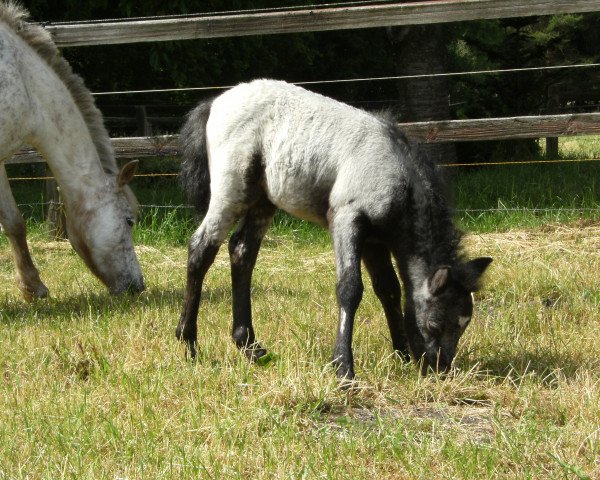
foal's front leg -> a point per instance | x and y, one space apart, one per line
243 250
385 282
13 225
347 242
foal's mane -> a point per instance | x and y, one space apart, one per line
14 15
435 235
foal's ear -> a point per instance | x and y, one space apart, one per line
472 271
439 280
127 173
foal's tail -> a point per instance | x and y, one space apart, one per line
195 175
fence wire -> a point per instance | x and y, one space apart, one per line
458 210
467 211
445 165
363 79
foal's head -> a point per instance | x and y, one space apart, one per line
100 230
443 309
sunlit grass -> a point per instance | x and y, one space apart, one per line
502 197
93 386
579 147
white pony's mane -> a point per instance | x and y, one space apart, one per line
14 15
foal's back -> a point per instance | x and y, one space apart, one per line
313 153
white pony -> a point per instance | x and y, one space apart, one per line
45 105
266 145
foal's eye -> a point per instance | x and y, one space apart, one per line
463 321
130 221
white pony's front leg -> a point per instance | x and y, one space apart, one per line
13 226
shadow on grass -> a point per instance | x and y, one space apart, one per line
102 304
544 367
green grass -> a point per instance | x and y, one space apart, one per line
579 147
486 198
498 198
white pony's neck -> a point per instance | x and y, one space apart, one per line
61 134
69 125
69 151
56 126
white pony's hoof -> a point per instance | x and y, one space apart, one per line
33 292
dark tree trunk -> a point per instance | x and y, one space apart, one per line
422 50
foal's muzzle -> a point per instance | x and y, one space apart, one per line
432 363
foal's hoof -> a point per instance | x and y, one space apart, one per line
254 352
402 355
349 384
190 344
346 378
344 373
190 351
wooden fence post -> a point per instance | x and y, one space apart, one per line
553 104
143 125
55 217
551 148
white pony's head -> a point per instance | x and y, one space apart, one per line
100 206
100 231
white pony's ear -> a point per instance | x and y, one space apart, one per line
127 173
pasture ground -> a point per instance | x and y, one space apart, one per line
93 386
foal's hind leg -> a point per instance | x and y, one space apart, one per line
385 282
202 250
347 233
243 250
13 225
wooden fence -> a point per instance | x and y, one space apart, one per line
305 20
320 19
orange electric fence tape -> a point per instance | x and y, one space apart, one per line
478 164
524 162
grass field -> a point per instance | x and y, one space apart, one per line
97 387
93 386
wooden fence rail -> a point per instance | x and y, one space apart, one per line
314 19
504 128
428 132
